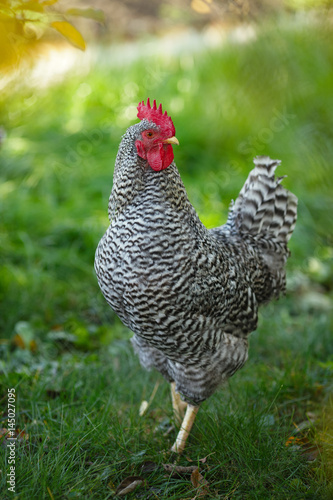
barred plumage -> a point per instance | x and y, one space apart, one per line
189 294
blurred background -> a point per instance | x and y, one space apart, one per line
238 77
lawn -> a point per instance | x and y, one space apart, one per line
268 433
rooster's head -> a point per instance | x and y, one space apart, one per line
155 144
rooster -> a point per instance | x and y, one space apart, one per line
189 294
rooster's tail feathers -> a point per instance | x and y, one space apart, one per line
264 208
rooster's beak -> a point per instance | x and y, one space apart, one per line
172 140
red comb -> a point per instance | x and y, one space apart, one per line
154 114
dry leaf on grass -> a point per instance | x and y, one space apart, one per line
129 484
199 482
308 449
174 470
201 460
179 470
21 435
303 441
7 435
204 460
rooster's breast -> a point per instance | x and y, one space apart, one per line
144 265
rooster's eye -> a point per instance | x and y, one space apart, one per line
150 134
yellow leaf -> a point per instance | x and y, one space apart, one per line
70 33
18 341
33 345
201 6
6 15
32 5
195 478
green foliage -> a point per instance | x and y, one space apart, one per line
270 96
79 385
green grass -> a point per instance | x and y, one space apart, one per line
85 436
78 384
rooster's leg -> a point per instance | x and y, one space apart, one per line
185 429
178 405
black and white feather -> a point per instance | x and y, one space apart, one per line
189 294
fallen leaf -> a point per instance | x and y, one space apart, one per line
309 450
204 460
18 341
292 441
198 481
201 460
21 435
9 435
129 484
311 453
195 476
179 470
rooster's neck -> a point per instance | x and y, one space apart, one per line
137 184
134 181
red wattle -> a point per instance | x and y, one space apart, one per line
160 156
